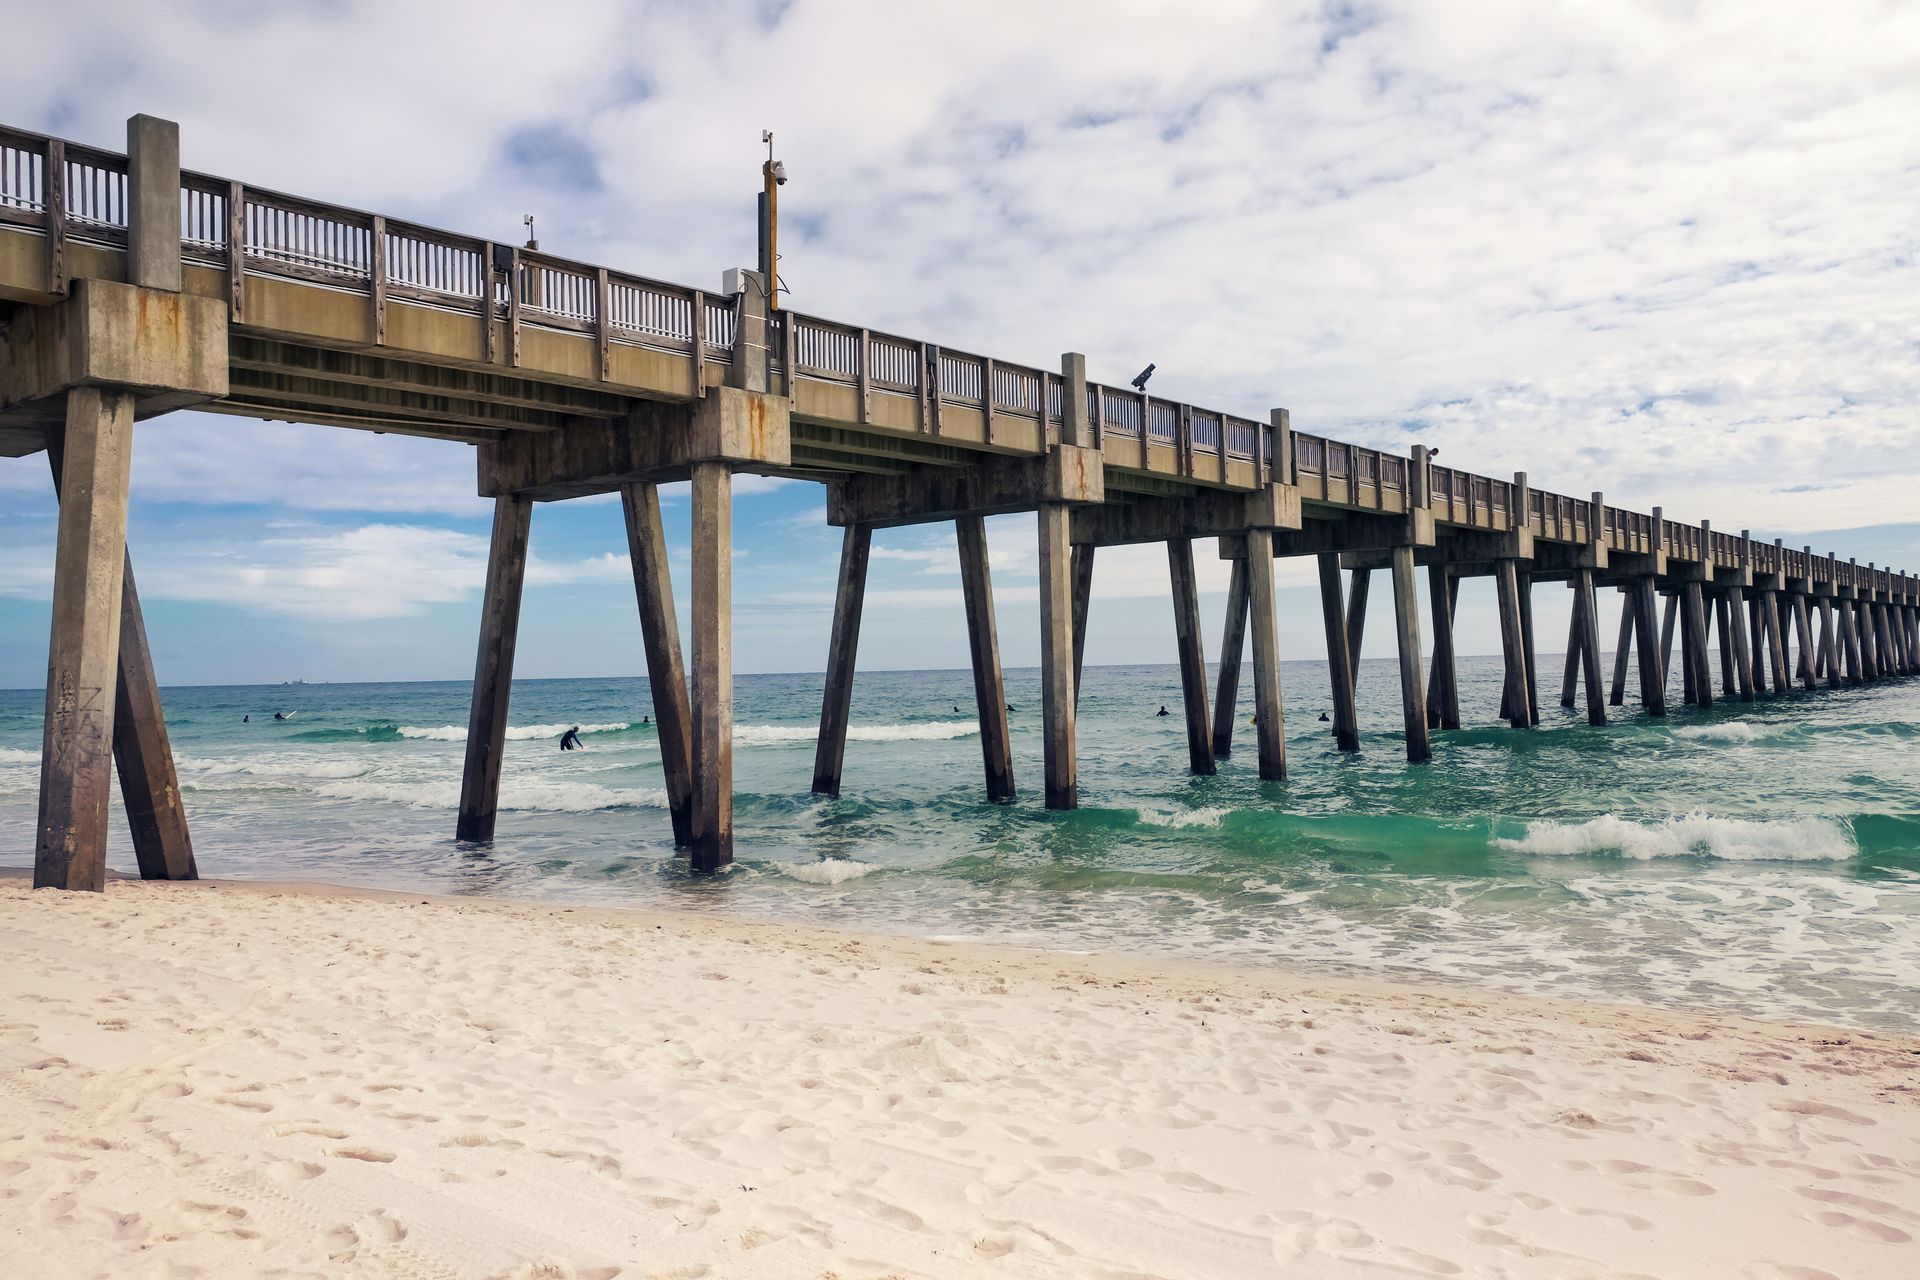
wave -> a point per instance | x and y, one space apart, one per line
1695 834
515 796
1732 731
517 733
1176 818
14 755
827 870
767 735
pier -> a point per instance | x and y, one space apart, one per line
130 287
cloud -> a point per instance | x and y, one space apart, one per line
358 574
1666 252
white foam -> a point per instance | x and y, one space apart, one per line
1150 817
1731 731
517 733
827 870
14 755
516 795
1692 835
766 735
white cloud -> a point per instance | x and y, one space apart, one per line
1667 252
359 574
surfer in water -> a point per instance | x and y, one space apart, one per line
570 740
1161 712
279 715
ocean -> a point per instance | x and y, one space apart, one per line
1760 858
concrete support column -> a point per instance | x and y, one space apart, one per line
1756 620
660 640
1668 618
493 669
1525 582
1233 640
1443 692
89 575
836 706
1624 649
1193 655
149 787
1742 651
1346 734
1270 717
983 649
1357 616
1694 602
1829 650
1587 605
1776 639
1724 626
1653 685
1850 637
1570 672
1413 695
1803 628
712 693
1513 645
1082 602
1056 656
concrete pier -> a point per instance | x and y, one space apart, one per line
572 379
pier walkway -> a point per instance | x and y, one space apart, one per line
129 287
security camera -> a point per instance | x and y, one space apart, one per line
779 173
1140 382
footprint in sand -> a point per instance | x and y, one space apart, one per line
369 1154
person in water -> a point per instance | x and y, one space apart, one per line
246 719
570 740
279 715
645 720
1161 712
1323 717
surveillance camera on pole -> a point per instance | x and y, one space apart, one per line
773 176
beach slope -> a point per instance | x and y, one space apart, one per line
250 1080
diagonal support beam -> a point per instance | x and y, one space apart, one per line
149 786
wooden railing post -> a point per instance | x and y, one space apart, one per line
53 194
377 285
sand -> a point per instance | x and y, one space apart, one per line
230 1080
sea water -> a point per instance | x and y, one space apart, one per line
1760 858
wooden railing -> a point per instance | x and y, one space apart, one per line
70 191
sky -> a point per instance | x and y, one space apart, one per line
1664 251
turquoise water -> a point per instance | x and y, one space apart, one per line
1761 859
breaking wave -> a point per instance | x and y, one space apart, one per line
766 735
827 870
1150 817
1732 731
517 733
1694 835
516 795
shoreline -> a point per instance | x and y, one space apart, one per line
1280 979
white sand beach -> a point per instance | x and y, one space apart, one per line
234 1080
